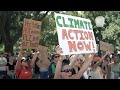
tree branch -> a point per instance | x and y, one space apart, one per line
42 18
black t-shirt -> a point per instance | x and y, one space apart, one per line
74 72
10 67
66 61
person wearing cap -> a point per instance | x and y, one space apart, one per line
115 67
3 62
23 68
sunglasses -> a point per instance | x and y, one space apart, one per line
67 70
56 56
79 60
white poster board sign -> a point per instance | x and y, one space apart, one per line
75 34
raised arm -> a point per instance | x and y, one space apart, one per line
34 57
101 59
86 64
19 59
58 68
73 60
59 63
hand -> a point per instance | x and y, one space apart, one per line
61 58
59 50
108 53
38 48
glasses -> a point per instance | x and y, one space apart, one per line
67 70
79 60
57 56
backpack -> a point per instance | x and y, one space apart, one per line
50 73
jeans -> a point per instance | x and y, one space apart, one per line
44 75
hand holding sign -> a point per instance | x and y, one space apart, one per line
59 50
108 53
38 48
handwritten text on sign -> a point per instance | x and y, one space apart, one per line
75 34
31 34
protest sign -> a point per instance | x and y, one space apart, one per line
106 47
75 34
31 34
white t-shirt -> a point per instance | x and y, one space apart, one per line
97 74
87 73
3 60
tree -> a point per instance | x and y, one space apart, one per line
11 25
111 33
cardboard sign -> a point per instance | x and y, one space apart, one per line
75 34
31 34
106 47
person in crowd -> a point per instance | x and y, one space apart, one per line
36 69
43 67
76 64
3 62
23 68
66 60
10 67
97 72
115 68
65 72
52 66
106 68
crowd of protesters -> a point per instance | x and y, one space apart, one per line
78 66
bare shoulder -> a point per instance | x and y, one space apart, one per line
110 64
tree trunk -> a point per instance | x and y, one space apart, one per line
9 47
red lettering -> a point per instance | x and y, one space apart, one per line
90 35
64 34
80 46
72 46
69 31
76 34
87 46
86 35
81 38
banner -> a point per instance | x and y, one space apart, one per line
75 34
106 47
31 34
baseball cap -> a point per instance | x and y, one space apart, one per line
23 59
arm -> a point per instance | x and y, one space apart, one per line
98 63
34 57
58 68
18 64
59 63
86 64
74 60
